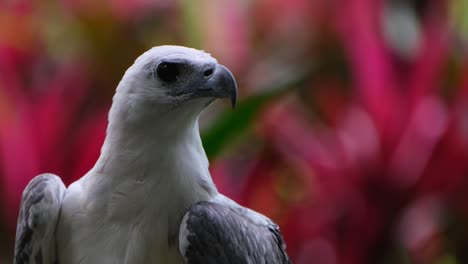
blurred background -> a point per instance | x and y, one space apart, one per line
351 131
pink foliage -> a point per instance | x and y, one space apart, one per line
376 166
42 128
390 165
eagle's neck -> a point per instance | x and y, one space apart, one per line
146 179
163 158
161 147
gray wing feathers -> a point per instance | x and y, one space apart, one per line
216 233
39 211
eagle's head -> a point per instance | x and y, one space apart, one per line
174 82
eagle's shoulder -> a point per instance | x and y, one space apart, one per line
225 232
39 211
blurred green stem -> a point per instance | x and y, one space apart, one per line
191 21
232 124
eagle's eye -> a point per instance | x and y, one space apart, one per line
168 71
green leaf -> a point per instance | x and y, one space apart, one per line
231 125
447 259
459 17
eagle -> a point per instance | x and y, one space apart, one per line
150 197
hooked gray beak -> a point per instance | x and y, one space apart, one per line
220 83
216 81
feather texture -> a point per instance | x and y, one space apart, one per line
35 233
213 232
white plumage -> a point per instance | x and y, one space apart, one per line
152 170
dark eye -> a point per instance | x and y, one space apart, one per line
168 72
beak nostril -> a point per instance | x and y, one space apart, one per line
208 72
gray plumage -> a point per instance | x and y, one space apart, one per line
40 206
150 197
218 233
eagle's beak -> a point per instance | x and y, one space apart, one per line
223 84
